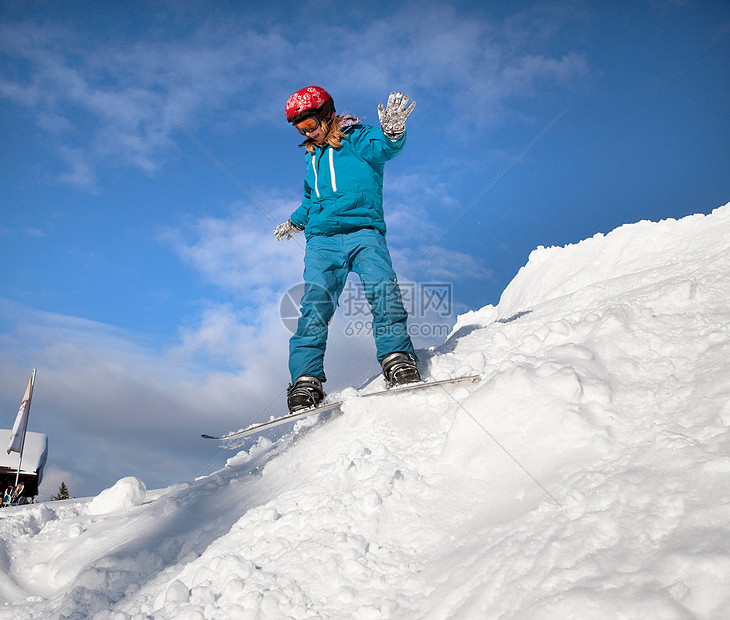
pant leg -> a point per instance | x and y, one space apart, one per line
371 261
325 272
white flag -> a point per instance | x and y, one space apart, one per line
21 421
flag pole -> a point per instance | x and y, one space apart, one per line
25 427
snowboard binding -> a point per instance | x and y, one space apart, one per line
400 369
306 393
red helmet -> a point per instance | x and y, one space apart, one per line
310 101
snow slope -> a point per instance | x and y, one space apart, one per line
586 476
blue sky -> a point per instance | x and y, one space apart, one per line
140 276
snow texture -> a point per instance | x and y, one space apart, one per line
126 493
586 476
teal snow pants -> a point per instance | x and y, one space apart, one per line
327 262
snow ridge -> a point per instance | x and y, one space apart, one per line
585 476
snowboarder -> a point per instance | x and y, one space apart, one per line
342 219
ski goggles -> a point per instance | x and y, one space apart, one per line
308 125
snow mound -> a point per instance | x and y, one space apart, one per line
632 255
126 493
586 476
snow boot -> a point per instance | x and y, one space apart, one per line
306 393
399 369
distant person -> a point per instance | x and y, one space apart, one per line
342 219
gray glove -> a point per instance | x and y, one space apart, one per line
393 117
286 230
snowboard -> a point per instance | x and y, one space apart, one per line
334 406
12 495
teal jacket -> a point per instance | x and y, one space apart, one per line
343 188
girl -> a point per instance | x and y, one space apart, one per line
342 219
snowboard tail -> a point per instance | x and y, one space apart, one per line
292 417
335 406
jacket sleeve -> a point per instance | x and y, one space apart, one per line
300 217
374 146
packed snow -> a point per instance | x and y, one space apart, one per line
587 475
126 493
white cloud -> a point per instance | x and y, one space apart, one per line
467 63
113 401
220 335
104 105
410 201
79 172
237 338
441 264
239 253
